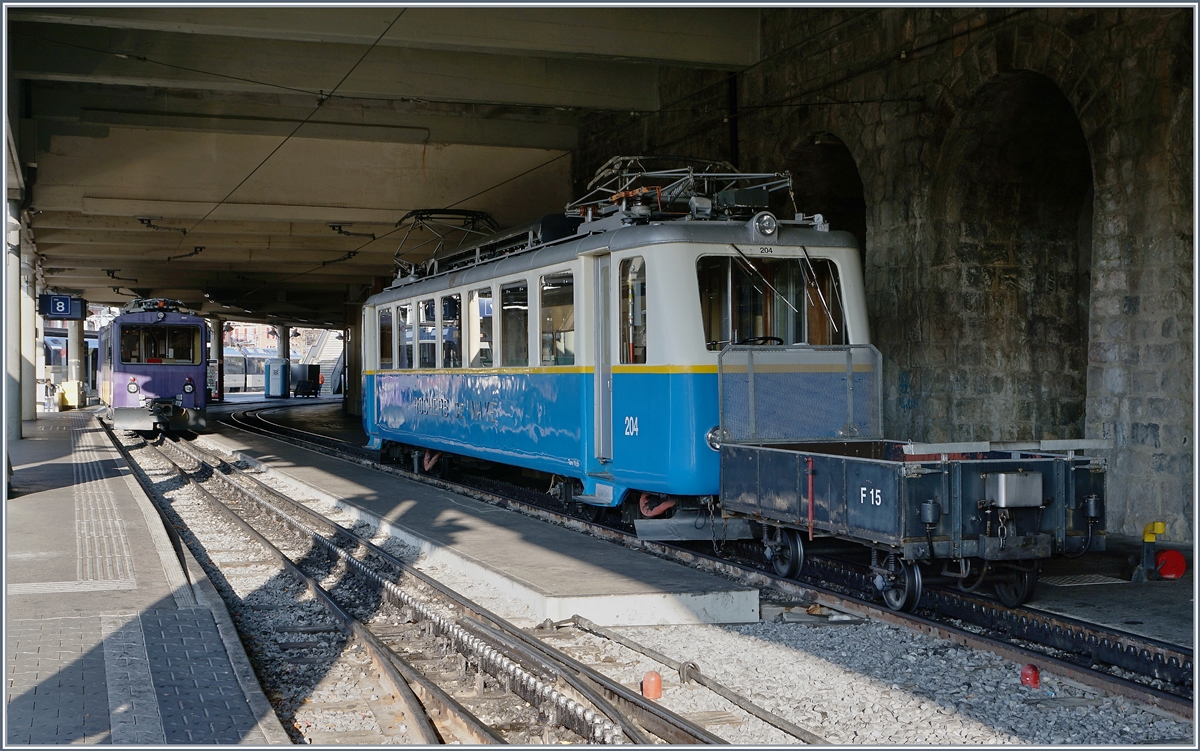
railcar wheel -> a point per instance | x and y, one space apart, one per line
905 591
586 511
1016 591
788 557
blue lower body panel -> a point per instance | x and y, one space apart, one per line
545 421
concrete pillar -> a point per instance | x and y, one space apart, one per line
216 344
29 337
12 324
40 343
73 389
74 350
352 348
283 348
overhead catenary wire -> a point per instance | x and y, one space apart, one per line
323 98
780 103
352 253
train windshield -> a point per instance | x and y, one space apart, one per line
770 301
161 345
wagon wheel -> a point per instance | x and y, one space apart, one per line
586 511
788 557
1017 590
905 591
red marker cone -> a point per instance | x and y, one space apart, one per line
1031 676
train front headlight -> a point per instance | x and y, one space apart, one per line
713 437
765 223
188 387
132 387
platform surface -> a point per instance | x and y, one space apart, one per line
1096 588
107 641
324 417
556 571
1093 588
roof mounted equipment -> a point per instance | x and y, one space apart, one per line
151 304
642 188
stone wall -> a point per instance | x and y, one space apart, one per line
1024 195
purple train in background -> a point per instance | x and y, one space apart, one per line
153 367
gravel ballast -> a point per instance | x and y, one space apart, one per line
866 683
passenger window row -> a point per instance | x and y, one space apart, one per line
442 323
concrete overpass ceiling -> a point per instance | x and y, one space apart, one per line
721 38
142 122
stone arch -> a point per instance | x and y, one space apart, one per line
1013 231
826 181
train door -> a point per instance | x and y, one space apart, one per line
602 339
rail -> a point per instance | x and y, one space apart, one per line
522 660
1129 652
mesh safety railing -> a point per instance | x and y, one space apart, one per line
800 392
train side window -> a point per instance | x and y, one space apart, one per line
428 334
406 336
154 343
479 316
183 344
452 331
794 300
558 319
131 344
633 310
385 339
514 323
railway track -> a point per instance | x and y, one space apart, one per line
458 672
1125 664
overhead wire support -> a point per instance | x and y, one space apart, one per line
149 223
112 274
339 228
197 251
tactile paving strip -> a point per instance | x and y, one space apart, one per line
1080 580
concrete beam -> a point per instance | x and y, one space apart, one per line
57 256
138 268
235 211
177 242
270 66
199 280
275 115
97 223
186 174
722 38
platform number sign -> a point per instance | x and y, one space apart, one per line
61 307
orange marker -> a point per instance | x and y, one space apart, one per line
652 685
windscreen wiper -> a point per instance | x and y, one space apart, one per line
824 305
760 276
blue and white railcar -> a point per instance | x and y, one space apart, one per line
152 368
585 345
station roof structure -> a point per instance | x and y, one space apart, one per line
241 158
